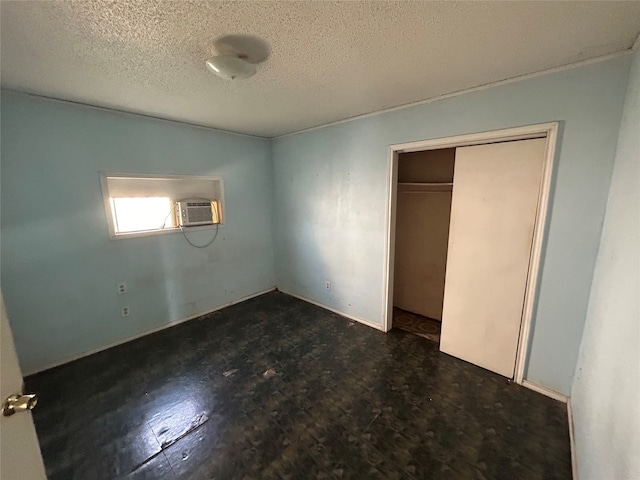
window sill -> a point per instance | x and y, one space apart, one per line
150 233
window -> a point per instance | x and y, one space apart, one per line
142 214
152 204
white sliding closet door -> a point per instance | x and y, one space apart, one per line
493 211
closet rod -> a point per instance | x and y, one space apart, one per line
425 191
405 187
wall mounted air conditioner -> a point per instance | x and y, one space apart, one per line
194 212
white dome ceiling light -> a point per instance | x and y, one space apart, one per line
231 67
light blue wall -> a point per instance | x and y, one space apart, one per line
331 184
59 267
606 393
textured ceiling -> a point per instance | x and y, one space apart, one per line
328 60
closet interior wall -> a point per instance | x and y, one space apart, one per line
425 182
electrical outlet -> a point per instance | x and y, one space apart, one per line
328 285
122 288
125 311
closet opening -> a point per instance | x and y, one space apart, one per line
465 232
423 209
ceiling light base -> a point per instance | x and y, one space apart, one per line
231 67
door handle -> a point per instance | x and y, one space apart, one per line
19 403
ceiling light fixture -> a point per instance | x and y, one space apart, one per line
231 67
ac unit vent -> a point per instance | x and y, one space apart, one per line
198 212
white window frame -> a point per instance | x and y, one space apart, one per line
113 235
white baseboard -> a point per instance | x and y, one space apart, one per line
572 442
148 332
318 304
545 391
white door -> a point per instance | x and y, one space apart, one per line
493 211
19 450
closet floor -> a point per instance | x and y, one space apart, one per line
416 324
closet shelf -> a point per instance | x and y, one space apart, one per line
424 187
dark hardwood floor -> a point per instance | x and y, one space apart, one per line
342 400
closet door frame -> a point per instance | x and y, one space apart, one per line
544 130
